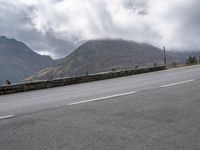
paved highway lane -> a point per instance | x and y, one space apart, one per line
163 114
22 103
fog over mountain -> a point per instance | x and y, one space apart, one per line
18 61
57 27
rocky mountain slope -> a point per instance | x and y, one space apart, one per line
18 61
102 55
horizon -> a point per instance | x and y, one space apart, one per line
106 39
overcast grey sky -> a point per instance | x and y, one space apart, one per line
56 27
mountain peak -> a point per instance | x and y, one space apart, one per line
103 55
3 37
13 45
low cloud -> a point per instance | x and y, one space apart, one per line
56 27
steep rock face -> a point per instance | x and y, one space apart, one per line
18 61
102 55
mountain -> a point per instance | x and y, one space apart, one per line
102 55
18 61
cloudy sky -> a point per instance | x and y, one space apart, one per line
56 27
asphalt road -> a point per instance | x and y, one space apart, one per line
158 110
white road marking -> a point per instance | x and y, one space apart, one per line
177 83
6 117
102 98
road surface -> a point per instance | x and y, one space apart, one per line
158 110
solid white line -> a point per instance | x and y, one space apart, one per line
102 98
6 117
177 83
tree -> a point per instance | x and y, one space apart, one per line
191 60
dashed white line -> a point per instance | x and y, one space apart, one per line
6 117
177 83
102 98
